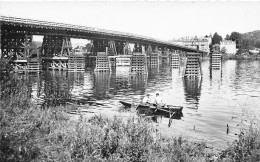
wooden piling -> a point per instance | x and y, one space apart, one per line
193 67
139 63
154 59
102 62
34 65
175 61
216 60
76 63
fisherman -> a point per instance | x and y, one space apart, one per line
147 99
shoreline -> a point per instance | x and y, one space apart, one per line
238 57
160 123
51 133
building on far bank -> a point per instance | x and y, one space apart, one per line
229 46
193 42
255 51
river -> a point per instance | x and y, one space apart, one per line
219 98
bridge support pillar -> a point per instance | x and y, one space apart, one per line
175 60
12 45
139 63
120 45
111 49
138 48
54 45
166 55
127 49
215 60
17 46
193 65
55 52
149 50
99 45
156 49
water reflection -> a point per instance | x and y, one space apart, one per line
122 79
192 88
215 73
35 81
166 69
138 83
153 70
101 85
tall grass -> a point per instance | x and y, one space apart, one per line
247 146
31 133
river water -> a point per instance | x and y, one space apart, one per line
210 103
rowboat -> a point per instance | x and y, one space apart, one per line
167 110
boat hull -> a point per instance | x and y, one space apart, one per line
152 109
126 104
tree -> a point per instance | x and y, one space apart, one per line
236 36
216 39
257 44
88 46
227 37
246 44
215 48
223 50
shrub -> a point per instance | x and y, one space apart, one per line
247 146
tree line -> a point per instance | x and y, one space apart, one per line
246 41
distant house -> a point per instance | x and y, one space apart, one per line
193 42
229 46
255 51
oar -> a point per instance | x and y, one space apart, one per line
136 107
170 119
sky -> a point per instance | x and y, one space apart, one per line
162 20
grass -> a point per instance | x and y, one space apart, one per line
247 146
31 133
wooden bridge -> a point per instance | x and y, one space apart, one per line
16 42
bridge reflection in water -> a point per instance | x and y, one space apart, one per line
60 87
54 88
192 88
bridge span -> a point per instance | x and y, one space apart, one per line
17 33
13 25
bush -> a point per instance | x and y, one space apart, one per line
247 146
5 67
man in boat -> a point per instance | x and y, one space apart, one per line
147 99
158 101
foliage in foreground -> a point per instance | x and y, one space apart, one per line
247 146
31 133
48 135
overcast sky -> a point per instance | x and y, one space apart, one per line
161 20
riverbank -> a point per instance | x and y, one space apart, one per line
31 133
241 57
